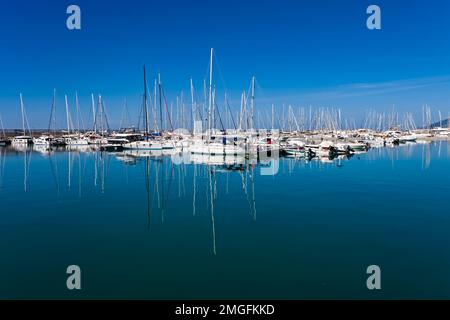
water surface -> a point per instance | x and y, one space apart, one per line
156 227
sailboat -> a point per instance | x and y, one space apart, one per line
220 144
24 139
74 139
45 140
148 142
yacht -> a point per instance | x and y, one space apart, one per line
22 140
117 141
229 145
43 140
146 144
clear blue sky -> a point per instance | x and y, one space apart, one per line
317 53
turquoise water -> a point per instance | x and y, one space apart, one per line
155 228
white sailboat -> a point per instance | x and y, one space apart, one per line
45 140
74 139
148 142
210 144
24 139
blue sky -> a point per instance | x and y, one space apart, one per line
303 53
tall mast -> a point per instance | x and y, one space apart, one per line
100 111
78 111
93 113
154 107
242 113
23 113
193 105
54 111
178 112
67 114
160 102
252 104
227 126
204 103
145 102
273 116
182 110
210 89
245 111
213 112
52 120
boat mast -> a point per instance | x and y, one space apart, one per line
100 110
155 117
145 103
67 115
78 111
242 113
23 113
160 102
273 116
252 104
210 89
182 110
53 114
193 105
93 113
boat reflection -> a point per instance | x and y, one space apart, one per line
217 160
165 179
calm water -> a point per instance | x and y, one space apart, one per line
157 228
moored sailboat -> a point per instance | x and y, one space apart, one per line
25 139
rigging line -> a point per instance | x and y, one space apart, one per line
105 114
121 116
218 112
216 60
83 127
140 115
51 113
26 121
167 109
198 107
231 114
261 91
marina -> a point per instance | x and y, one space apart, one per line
325 133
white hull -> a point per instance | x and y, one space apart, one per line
42 141
216 149
22 141
410 138
77 142
144 145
